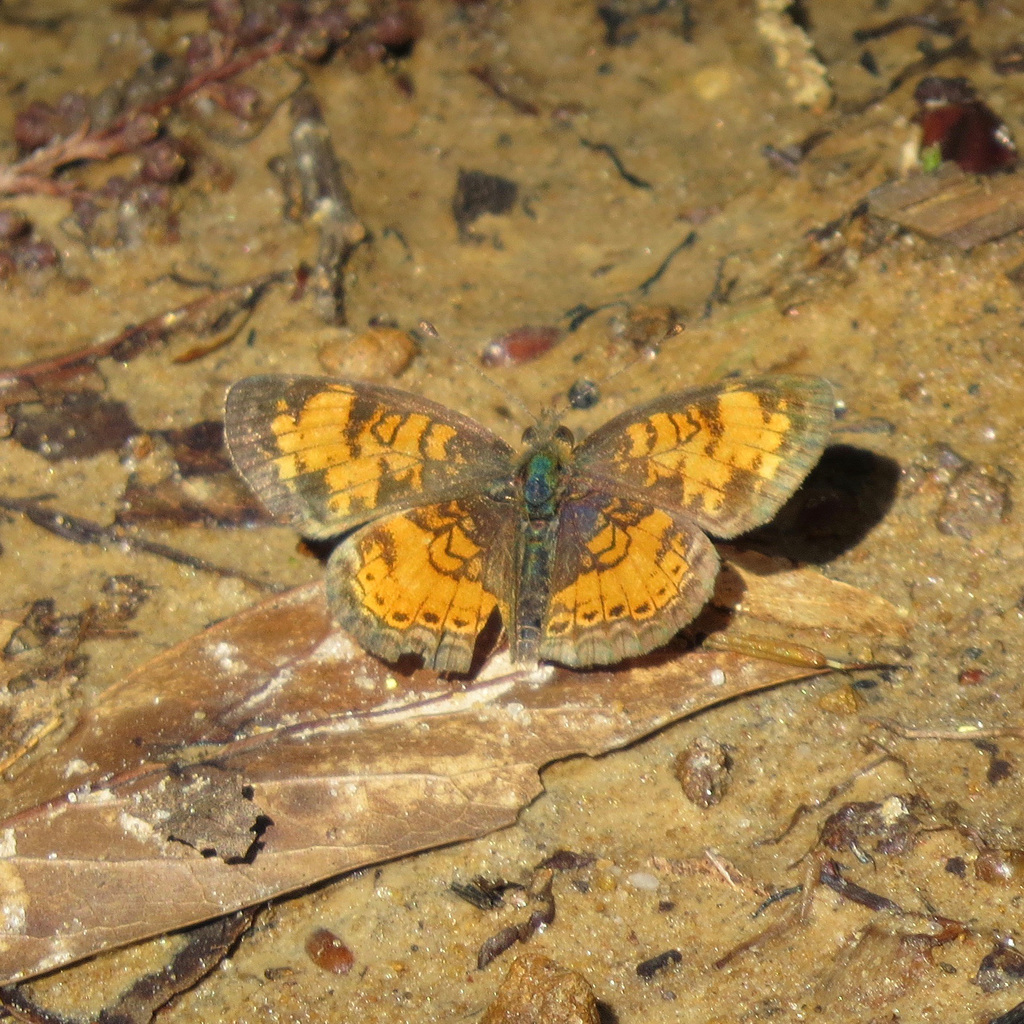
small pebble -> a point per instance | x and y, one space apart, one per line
477 193
584 394
843 701
644 880
976 499
1000 867
941 462
520 345
645 327
703 771
537 990
1000 969
329 952
957 866
379 353
972 676
649 968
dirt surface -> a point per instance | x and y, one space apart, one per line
626 135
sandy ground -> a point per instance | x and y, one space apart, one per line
920 339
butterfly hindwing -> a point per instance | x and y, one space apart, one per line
326 455
626 577
426 581
728 455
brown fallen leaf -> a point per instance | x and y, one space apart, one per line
345 760
206 808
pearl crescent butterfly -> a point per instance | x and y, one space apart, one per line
590 552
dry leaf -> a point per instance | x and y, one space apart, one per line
964 209
325 760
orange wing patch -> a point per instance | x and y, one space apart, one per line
438 585
354 455
633 572
424 581
705 449
327 455
727 455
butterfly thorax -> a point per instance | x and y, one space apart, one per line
541 477
542 470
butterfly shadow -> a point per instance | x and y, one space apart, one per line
844 497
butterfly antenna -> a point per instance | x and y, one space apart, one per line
509 397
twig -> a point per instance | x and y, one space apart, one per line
208 312
645 286
33 173
86 531
965 733
137 125
487 77
837 790
326 202
609 151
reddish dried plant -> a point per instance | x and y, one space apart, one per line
134 114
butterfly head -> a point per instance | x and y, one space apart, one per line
548 433
549 449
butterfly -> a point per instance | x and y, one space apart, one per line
591 552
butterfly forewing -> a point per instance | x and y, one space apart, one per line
326 455
626 577
426 581
728 455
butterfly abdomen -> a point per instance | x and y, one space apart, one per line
536 548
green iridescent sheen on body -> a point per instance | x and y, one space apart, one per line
541 475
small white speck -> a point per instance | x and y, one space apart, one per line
336 647
989 433
76 766
643 880
717 677
94 797
135 827
226 656
8 843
